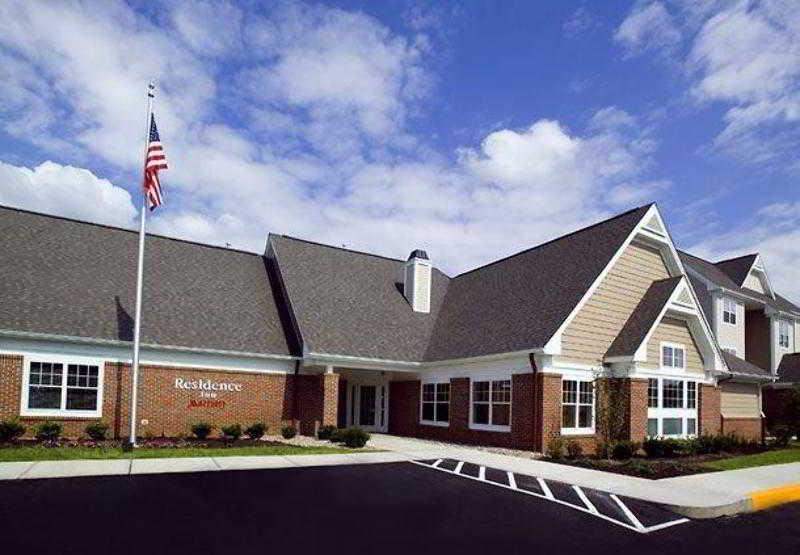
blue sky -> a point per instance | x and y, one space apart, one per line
472 130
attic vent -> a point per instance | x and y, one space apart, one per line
655 226
684 297
417 281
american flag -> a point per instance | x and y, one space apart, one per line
155 161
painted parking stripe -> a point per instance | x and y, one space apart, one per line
459 466
630 521
592 508
511 481
545 488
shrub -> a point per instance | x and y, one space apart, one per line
555 448
256 431
288 432
658 448
325 432
574 449
623 450
603 448
48 431
232 432
337 435
97 430
703 445
354 437
11 430
201 430
783 435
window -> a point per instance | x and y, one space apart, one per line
783 334
652 393
731 350
729 311
62 388
672 407
436 403
491 404
673 356
673 394
577 406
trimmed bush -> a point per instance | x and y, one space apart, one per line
602 448
555 448
97 430
325 432
288 432
354 438
574 449
232 432
658 448
11 430
202 430
336 435
623 450
256 431
48 431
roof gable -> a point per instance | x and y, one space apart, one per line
737 268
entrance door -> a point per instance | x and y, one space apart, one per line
368 405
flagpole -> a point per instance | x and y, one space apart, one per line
151 88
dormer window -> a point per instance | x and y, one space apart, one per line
783 334
729 311
673 356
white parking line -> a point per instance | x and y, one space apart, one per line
459 466
548 494
511 481
585 500
545 488
627 512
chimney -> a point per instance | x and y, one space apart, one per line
417 281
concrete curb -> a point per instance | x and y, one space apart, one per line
701 513
768 498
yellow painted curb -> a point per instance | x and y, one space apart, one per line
777 496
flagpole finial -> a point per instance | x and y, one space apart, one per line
151 89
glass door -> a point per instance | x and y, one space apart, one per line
366 409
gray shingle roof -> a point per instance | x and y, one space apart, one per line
351 303
739 366
644 316
737 268
789 369
72 278
519 302
715 274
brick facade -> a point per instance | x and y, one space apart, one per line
748 428
404 413
274 399
709 409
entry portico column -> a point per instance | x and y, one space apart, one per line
330 397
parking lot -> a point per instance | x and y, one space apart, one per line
386 508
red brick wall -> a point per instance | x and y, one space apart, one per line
404 407
749 428
709 416
637 409
268 398
548 405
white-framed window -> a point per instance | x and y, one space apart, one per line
577 406
673 356
729 311
62 386
490 404
672 407
435 405
783 334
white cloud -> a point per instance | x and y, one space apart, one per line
66 191
191 19
649 27
580 23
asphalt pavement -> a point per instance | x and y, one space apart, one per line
378 508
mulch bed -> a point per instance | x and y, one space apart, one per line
157 443
641 467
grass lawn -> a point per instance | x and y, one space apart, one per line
778 456
38 453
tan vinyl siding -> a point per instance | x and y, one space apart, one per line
739 400
594 328
674 331
753 283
